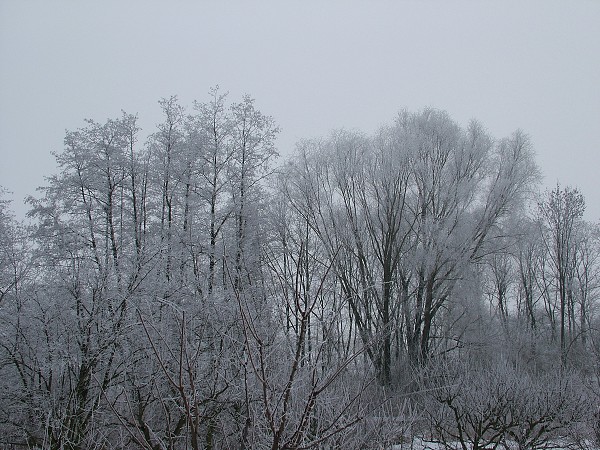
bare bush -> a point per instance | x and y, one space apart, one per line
485 406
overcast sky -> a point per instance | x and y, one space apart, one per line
313 65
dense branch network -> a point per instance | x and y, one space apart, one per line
185 290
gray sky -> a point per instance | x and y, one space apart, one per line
313 65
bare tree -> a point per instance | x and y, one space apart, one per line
295 391
212 128
253 136
89 269
409 210
561 211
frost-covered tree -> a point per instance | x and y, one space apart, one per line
181 291
410 210
89 266
561 212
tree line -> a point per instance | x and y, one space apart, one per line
190 290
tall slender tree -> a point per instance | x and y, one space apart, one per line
562 211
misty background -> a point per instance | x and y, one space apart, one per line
313 66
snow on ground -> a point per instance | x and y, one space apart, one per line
421 444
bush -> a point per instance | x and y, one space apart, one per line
481 406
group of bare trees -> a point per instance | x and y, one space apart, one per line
186 292
405 216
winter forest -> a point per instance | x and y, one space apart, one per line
187 288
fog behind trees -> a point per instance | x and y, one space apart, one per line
190 289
